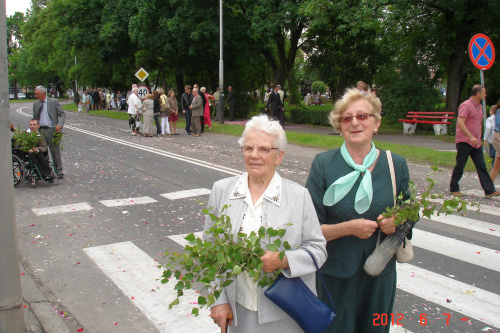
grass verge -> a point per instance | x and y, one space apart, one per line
417 155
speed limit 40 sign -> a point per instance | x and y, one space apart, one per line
143 91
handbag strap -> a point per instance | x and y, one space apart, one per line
393 175
322 281
393 179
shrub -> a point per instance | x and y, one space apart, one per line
318 86
303 115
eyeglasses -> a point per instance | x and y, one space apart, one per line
359 117
248 150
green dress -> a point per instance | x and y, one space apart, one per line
358 297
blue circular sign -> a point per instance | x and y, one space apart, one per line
481 52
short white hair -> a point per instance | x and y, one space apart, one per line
41 89
203 89
262 123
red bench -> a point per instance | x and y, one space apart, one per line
440 120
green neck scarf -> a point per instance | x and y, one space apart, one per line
339 189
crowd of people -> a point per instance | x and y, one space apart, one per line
99 99
164 110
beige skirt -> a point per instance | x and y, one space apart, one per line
248 322
496 143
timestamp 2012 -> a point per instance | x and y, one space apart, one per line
396 319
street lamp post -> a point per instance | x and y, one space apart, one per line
221 71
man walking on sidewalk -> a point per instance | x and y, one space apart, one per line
468 142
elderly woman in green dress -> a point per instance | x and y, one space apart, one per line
342 183
260 197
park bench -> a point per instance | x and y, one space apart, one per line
440 120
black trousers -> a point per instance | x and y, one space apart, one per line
464 150
188 120
157 123
279 115
41 162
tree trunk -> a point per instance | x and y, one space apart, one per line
179 80
456 63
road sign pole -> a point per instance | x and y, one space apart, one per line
221 69
11 313
481 73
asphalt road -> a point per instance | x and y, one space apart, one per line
114 184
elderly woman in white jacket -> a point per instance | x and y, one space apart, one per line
260 197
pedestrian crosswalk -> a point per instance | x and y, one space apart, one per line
447 292
84 206
137 275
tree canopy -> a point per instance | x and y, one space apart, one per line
404 48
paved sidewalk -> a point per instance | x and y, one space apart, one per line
40 316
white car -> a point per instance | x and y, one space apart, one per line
19 96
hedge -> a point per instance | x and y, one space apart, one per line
301 115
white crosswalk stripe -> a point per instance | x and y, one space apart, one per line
127 202
479 193
479 304
136 274
186 194
473 254
484 209
76 207
468 223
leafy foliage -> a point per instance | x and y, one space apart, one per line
318 86
216 261
57 138
303 115
25 140
426 204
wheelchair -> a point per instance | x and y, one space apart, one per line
25 170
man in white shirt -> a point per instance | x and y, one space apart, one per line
134 110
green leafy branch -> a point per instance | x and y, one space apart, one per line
57 138
427 204
215 263
24 140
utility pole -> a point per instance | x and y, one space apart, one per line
221 70
11 313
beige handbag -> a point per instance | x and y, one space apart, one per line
405 252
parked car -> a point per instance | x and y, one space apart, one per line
19 96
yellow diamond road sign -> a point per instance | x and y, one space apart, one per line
141 74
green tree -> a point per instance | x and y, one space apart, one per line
318 86
14 38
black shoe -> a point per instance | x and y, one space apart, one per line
49 177
60 176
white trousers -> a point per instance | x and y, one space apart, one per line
165 127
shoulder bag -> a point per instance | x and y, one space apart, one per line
299 302
405 252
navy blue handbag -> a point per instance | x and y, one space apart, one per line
299 302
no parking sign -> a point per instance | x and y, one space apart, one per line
481 52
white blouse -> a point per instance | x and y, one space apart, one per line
246 288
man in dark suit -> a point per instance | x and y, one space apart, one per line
231 101
202 94
96 98
276 106
186 100
51 118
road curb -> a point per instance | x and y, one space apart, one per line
40 316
